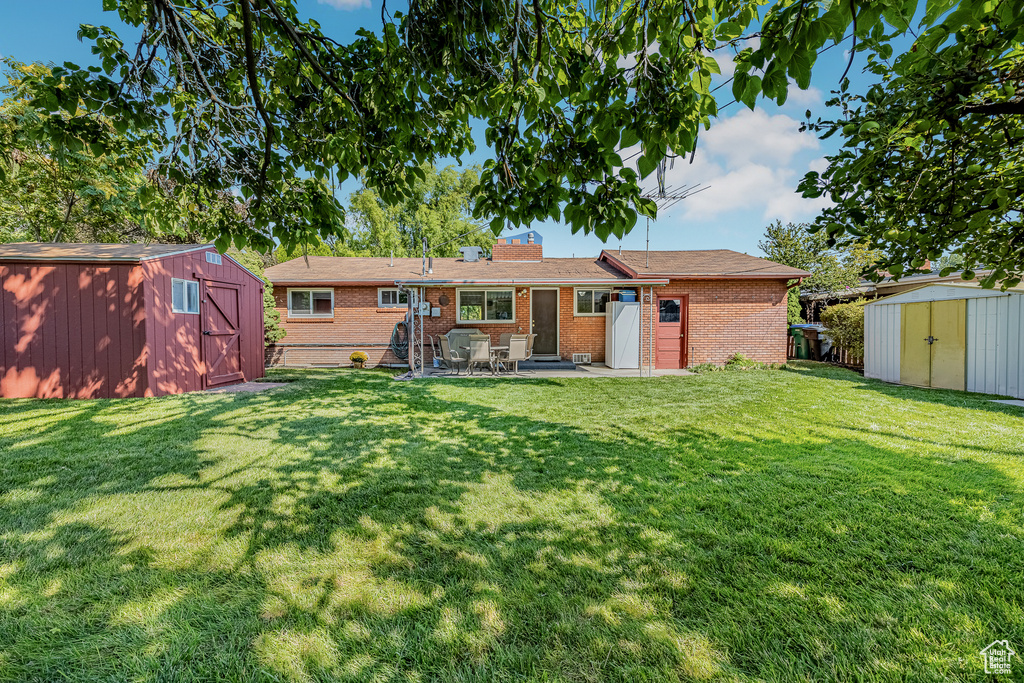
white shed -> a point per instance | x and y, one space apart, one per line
950 336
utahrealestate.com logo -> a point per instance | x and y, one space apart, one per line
997 657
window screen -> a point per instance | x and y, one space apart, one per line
471 305
393 297
668 310
592 301
184 296
311 302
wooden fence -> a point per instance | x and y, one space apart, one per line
835 356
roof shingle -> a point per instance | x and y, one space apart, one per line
610 267
341 269
717 263
70 251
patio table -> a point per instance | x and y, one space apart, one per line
494 356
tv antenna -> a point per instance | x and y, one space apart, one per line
666 196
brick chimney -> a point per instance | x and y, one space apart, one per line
506 250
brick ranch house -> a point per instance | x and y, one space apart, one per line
707 305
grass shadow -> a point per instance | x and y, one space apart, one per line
349 527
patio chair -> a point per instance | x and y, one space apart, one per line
517 347
451 359
529 346
503 339
435 349
480 352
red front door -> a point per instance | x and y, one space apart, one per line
221 333
670 332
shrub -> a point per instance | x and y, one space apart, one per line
358 357
705 367
793 310
741 362
845 323
737 362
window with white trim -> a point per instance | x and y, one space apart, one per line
392 297
592 301
310 303
487 305
213 257
184 296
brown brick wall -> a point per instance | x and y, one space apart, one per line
725 317
517 252
728 317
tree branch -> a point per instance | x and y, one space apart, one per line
254 85
1006 107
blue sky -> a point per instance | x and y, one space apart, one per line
750 162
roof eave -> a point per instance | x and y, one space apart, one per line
530 282
726 276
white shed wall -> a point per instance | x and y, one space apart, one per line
994 346
882 342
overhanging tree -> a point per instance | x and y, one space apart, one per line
834 268
251 97
933 159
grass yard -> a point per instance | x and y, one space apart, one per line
785 525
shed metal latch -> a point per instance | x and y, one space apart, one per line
931 340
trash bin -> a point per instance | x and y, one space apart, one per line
813 343
800 343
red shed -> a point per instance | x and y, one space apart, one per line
116 320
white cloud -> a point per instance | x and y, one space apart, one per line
345 4
750 162
803 98
818 165
725 63
755 136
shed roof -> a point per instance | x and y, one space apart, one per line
71 251
711 263
944 291
364 270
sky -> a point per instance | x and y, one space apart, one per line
749 162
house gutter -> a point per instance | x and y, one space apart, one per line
726 276
527 283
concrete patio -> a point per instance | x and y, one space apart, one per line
536 370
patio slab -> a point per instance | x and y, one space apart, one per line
1010 402
535 372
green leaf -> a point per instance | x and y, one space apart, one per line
646 165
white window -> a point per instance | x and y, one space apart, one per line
487 305
184 296
213 257
392 297
592 301
311 303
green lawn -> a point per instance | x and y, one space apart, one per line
776 525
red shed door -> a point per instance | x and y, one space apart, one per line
670 332
222 349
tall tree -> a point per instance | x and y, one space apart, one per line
437 209
250 96
59 190
933 159
833 268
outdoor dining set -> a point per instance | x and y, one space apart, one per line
471 349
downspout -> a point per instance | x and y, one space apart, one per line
654 312
419 305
